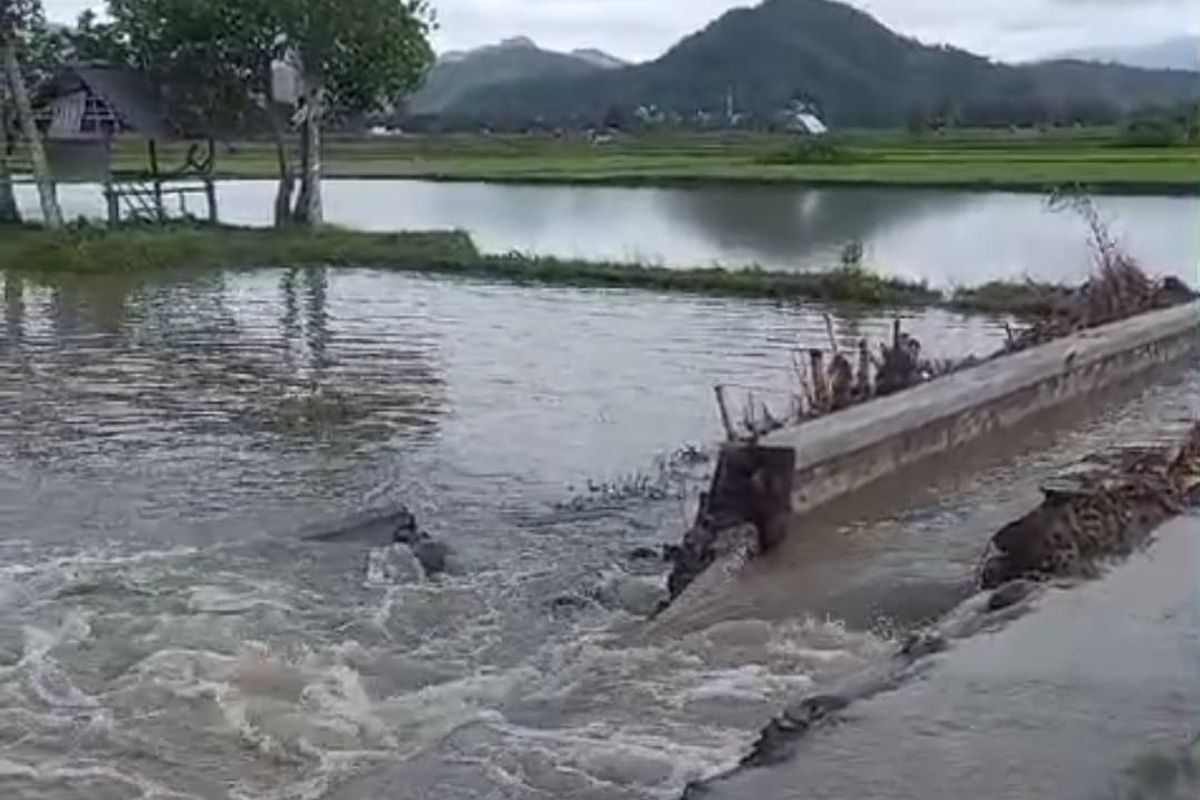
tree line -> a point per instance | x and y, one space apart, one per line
219 64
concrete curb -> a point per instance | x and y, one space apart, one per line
845 451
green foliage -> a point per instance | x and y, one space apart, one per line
216 55
815 150
1153 131
366 55
42 49
212 58
18 16
217 59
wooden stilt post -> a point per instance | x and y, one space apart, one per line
210 193
210 186
114 203
726 422
160 210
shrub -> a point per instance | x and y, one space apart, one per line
1152 132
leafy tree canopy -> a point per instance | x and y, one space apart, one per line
366 55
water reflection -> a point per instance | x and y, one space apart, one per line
474 383
945 237
305 318
147 380
783 226
14 310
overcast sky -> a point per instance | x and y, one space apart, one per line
642 29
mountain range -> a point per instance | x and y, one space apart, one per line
459 73
852 68
1182 52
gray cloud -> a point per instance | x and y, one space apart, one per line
638 29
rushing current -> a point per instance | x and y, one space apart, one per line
168 628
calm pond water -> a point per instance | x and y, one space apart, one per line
166 631
945 237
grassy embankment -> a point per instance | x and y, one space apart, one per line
139 249
1097 160
143 249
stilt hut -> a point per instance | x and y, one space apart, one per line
85 113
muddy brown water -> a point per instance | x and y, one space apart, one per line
166 632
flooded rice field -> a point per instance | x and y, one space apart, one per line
169 629
948 238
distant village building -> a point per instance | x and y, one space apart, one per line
385 132
804 119
84 110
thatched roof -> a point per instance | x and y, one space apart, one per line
132 97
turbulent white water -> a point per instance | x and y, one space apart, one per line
210 674
166 631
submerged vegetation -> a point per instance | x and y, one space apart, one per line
139 248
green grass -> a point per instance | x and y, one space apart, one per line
138 249
978 160
1020 298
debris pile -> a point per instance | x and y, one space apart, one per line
1119 290
745 512
1105 508
834 381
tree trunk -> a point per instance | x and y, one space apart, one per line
8 200
309 207
287 176
51 213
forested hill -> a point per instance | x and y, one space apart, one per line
856 70
456 75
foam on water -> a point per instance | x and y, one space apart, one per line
242 694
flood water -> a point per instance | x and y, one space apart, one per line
949 238
166 631
1094 695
